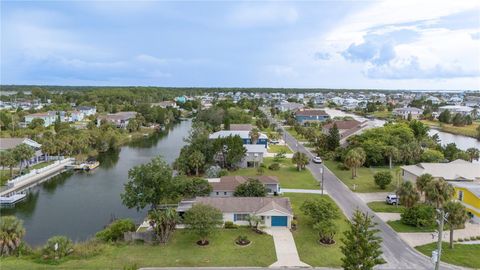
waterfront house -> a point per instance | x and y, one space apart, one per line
311 115
273 211
454 109
345 127
10 143
415 113
120 119
468 194
226 185
244 134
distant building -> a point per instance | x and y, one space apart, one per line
87 110
245 127
120 119
305 115
244 134
226 185
454 109
345 127
289 106
405 112
165 104
48 118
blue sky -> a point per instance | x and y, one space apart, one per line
334 44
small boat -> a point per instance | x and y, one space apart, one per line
13 199
88 166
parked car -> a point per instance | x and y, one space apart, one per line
392 199
274 142
317 160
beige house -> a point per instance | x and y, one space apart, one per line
226 185
274 211
457 170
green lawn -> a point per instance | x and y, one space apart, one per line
385 208
462 255
288 174
180 251
306 239
398 226
4 176
41 165
364 181
277 148
294 134
382 114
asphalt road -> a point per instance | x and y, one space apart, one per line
396 252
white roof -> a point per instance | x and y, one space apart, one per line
455 170
473 187
244 134
456 108
255 148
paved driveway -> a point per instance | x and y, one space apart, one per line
287 255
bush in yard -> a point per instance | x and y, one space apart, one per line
280 155
383 179
203 220
114 231
213 172
242 240
420 215
251 188
342 167
274 167
222 172
260 170
229 225
58 247
326 231
320 210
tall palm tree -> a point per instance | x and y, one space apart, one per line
392 153
409 195
354 159
196 160
423 181
300 159
254 135
457 216
9 161
438 192
49 148
11 234
22 153
473 154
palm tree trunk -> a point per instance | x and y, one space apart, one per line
353 174
390 161
196 171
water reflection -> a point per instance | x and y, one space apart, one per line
25 207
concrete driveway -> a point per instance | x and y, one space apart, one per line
287 255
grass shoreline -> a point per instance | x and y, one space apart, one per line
469 131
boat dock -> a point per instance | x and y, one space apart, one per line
24 182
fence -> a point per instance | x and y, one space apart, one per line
22 178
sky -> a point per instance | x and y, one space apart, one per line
432 45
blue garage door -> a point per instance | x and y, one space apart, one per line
279 221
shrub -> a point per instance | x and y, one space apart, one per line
478 237
230 225
222 172
280 155
88 249
383 179
460 240
115 231
260 170
64 247
472 238
242 240
466 239
420 215
213 171
342 167
274 167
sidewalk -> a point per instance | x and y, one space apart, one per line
418 239
372 197
309 191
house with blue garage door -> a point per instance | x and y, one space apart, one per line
244 134
274 211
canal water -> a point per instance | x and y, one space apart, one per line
79 204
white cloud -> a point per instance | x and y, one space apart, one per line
281 71
257 15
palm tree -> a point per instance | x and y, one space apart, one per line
423 181
254 135
354 159
409 195
23 152
49 148
392 153
473 153
300 159
457 216
8 160
11 234
197 160
438 192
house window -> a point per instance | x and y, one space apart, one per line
216 193
460 195
240 217
224 193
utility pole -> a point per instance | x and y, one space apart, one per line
441 220
321 171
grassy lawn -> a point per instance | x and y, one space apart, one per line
41 165
277 148
470 130
398 226
364 180
4 176
462 255
385 208
288 175
382 114
294 134
180 251
309 250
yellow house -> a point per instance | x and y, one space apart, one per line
468 193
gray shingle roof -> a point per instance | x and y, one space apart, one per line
247 204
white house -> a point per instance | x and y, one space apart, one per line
273 211
87 110
454 109
47 117
405 112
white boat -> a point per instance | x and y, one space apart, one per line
4 200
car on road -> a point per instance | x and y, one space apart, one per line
392 199
317 160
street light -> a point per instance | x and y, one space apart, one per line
321 172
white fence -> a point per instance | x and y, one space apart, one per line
56 164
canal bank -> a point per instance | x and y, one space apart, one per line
80 204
